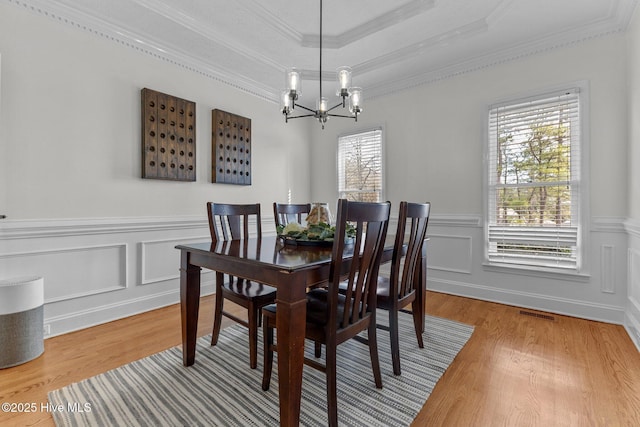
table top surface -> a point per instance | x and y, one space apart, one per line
269 250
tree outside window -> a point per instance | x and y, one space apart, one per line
534 176
360 173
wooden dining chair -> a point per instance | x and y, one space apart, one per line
333 318
400 290
231 222
286 213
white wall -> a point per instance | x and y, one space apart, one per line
632 319
434 151
70 151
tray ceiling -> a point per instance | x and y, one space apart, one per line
391 45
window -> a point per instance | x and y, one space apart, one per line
534 183
360 176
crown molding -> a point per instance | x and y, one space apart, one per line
524 50
422 46
176 15
617 21
386 20
145 45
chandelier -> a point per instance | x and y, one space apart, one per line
322 112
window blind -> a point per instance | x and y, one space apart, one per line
534 181
360 176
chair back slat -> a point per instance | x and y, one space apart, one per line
231 222
370 221
413 219
286 213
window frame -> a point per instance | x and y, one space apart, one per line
581 272
382 191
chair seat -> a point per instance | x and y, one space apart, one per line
249 290
317 306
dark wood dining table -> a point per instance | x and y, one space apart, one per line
292 269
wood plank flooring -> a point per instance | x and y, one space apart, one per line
516 370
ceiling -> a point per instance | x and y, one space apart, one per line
390 45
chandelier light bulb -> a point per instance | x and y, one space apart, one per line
344 79
322 105
355 100
285 102
294 82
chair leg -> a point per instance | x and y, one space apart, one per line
332 386
373 351
217 315
418 319
254 314
267 332
395 341
317 349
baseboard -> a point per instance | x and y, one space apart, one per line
93 316
567 307
632 321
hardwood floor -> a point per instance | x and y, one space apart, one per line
516 370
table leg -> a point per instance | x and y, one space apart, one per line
290 326
189 307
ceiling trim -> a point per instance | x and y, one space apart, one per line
396 16
421 47
197 26
276 23
617 21
84 22
524 50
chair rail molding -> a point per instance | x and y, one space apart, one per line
26 229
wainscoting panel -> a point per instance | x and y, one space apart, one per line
99 270
157 259
634 274
456 265
607 269
632 312
87 270
440 247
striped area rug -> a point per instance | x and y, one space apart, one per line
221 390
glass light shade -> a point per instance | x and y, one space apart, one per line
322 105
294 82
344 77
285 102
355 100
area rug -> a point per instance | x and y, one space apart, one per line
221 390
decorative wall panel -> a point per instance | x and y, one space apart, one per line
168 137
230 148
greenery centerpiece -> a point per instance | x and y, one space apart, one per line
320 232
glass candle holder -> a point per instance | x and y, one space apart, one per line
320 212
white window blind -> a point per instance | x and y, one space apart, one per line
534 182
360 176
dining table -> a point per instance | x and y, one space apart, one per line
292 269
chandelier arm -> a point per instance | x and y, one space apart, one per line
321 113
299 117
334 107
305 108
341 115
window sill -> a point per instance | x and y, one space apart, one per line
547 273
